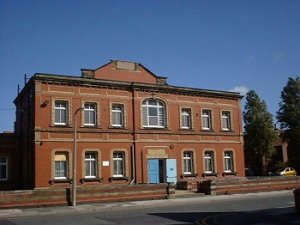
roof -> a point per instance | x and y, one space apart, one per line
107 75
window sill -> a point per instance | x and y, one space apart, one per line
209 175
227 131
117 179
116 127
60 181
155 128
207 130
189 175
91 126
229 174
186 129
83 180
61 126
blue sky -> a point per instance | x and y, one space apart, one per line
219 45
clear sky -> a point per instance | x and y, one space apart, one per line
219 45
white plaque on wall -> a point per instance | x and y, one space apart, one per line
105 163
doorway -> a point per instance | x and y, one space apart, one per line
162 171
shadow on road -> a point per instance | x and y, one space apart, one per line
284 216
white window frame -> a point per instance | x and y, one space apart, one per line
118 169
159 113
228 162
117 114
61 162
90 160
186 118
209 162
4 163
90 114
206 119
226 120
188 162
60 106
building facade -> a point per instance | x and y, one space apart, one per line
128 126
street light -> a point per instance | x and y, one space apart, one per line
74 185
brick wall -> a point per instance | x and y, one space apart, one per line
85 194
243 185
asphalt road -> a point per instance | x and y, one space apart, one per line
248 209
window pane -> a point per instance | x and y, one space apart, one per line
60 169
3 168
188 162
153 121
226 120
90 165
57 116
206 119
161 117
63 115
145 116
90 114
117 115
185 118
209 162
228 162
60 112
2 159
118 164
152 111
87 169
3 172
152 102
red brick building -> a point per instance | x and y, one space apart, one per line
131 127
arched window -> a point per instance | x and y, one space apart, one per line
154 113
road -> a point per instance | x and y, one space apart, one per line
248 209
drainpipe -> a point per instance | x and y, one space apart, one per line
133 164
133 146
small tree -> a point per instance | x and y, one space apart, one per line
260 134
288 116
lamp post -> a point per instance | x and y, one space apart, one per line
74 185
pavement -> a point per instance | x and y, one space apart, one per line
181 197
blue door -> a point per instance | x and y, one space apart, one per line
153 171
171 171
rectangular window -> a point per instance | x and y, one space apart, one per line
61 166
118 164
117 115
188 163
186 119
90 165
61 112
228 162
206 120
209 162
226 121
90 110
3 168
